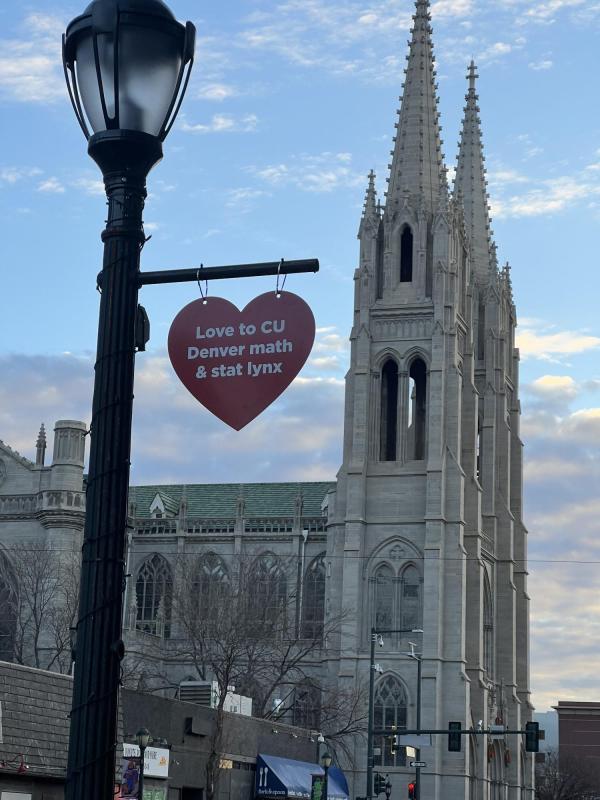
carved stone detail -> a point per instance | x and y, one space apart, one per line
402 328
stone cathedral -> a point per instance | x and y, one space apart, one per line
422 532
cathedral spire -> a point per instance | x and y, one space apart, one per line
40 447
470 184
371 209
416 168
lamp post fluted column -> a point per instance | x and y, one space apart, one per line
99 648
127 64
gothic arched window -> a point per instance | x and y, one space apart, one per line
384 600
212 585
313 599
267 591
488 629
406 255
9 606
396 601
389 411
306 711
389 709
417 410
154 593
410 599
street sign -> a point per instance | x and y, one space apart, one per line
418 763
415 740
497 732
236 363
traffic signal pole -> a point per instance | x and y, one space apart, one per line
369 792
418 750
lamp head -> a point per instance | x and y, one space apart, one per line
127 64
142 738
326 760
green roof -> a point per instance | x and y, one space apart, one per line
219 500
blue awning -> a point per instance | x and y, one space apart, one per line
283 777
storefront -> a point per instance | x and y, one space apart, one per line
156 773
278 778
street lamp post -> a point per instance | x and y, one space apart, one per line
326 763
142 739
377 638
127 63
418 657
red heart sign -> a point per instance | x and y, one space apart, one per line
236 363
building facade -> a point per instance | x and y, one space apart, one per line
422 533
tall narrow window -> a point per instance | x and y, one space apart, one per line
154 592
212 586
389 411
306 710
406 255
383 598
389 710
267 589
481 331
417 410
8 604
313 599
410 599
379 261
488 629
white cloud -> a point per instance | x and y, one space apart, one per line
546 12
31 67
243 196
11 175
52 186
548 344
551 385
323 172
223 123
549 196
91 186
216 92
538 66
451 8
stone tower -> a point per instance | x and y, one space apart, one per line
425 530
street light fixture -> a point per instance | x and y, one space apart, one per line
142 739
326 761
377 639
127 64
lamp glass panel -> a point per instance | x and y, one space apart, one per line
87 78
149 65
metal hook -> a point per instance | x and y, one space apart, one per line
203 294
278 289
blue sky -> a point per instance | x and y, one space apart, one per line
290 105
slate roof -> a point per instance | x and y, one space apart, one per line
219 500
35 718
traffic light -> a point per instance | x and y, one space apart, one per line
411 790
379 784
454 737
532 737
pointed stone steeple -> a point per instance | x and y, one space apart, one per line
371 211
416 168
40 447
470 184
